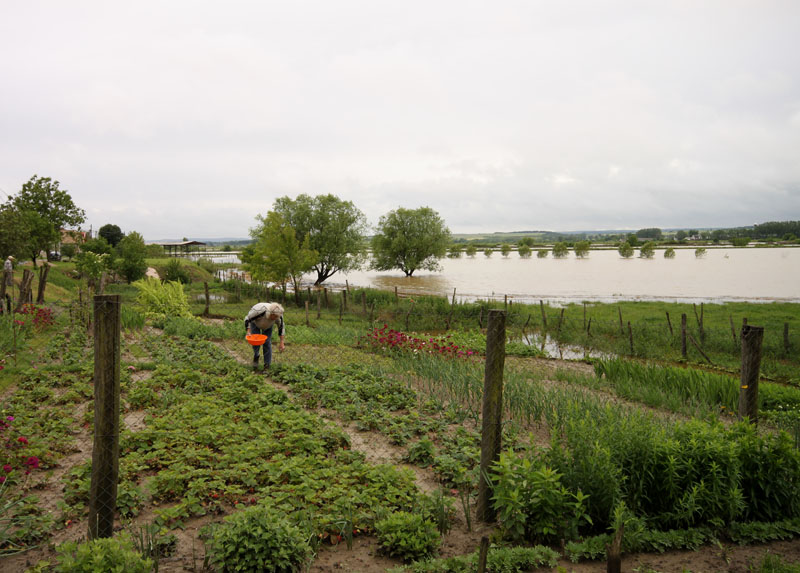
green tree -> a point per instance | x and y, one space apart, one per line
700 252
278 255
625 250
111 233
669 253
92 266
527 241
740 241
542 253
97 245
524 251
649 233
68 250
410 239
648 250
155 251
582 249
560 250
487 252
336 230
454 252
505 250
131 252
681 235
632 240
13 232
470 250
46 209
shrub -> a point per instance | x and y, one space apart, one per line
111 554
164 299
407 536
258 539
174 271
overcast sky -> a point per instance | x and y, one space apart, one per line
188 118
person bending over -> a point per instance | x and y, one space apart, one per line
260 320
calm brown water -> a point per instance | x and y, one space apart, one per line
750 274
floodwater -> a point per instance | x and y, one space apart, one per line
722 275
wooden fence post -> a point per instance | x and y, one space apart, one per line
24 289
408 314
319 304
396 296
341 309
752 337
205 288
669 323
733 329
44 270
8 279
544 315
584 317
364 302
630 336
483 554
492 423
344 299
621 327
105 451
683 335
307 322
560 321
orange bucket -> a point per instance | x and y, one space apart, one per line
256 339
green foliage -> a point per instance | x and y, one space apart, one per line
176 272
68 250
97 245
410 239
740 241
92 266
700 252
407 535
560 250
454 252
111 233
582 249
336 230
162 300
648 250
155 251
101 556
498 560
278 254
488 253
258 539
669 253
45 209
13 232
542 253
625 250
524 251
505 249
649 233
531 502
470 250
771 563
131 253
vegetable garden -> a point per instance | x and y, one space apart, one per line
363 439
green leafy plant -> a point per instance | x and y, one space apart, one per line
408 536
258 539
100 556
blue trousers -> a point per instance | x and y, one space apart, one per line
267 346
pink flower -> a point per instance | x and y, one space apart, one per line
33 462
10 418
2 479
22 440
7 468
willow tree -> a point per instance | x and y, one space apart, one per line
336 230
410 239
277 255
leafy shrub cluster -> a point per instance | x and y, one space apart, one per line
408 536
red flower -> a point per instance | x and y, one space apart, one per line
22 440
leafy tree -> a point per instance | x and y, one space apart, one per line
470 250
155 251
488 253
542 253
524 251
92 266
633 240
68 250
625 250
97 245
669 253
13 232
700 252
410 239
740 241
505 250
336 230
648 250
582 249
527 241
131 253
681 235
111 233
649 233
46 209
560 250
454 252
278 255
693 232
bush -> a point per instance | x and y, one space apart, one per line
258 539
111 554
175 272
407 536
